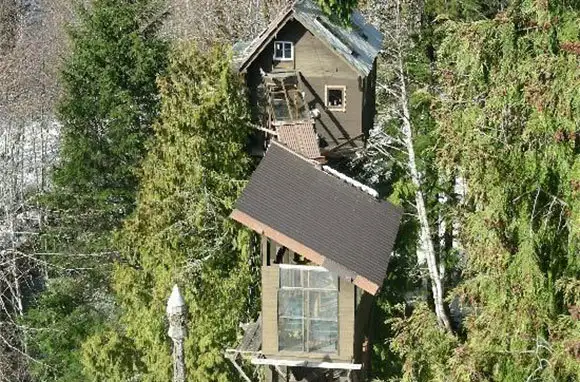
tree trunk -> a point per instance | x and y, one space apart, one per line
426 237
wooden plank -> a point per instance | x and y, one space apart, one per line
270 281
306 363
238 368
346 316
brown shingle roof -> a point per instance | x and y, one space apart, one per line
324 218
299 137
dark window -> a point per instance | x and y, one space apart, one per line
335 97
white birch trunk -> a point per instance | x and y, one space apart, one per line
426 236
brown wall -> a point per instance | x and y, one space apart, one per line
319 66
270 276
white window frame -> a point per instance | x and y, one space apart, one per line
291 58
335 87
306 316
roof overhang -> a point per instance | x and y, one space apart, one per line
321 214
309 253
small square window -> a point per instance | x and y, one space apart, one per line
283 51
336 98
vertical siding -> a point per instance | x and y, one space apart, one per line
319 67
362 319
346 306
335 127
270 276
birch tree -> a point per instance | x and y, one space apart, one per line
506 116
394 138
31 43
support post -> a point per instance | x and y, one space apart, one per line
177 331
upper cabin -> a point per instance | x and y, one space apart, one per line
312 80
326 244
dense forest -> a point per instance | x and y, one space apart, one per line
123 151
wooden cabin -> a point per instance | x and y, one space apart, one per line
326 243
309 71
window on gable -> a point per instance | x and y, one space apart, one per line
336 98
307 310
283 51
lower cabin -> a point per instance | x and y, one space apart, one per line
325 243
311 314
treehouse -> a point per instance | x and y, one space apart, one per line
325 244
312 81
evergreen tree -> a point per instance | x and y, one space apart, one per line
180 232
341 10
109 101
507 121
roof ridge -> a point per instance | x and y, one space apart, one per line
330 171
351 181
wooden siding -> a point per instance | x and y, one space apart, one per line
335 127
319 66
346 307
270 277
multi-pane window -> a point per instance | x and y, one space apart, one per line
307 310
283 51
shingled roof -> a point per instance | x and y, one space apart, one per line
358 44
300 137
324 218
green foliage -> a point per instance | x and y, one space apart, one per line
423 344
507 122
59 322
108 104
181 233
492 102
341 10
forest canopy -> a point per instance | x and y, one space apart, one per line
476 137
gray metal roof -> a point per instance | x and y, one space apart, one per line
359 44
351 229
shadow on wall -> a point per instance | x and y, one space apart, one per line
320 102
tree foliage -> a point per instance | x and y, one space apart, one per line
109 103
341 10
106 111
180 232
506 119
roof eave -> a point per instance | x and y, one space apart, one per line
245 63
286 241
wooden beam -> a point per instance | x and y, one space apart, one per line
345 143
306 363
273 132
278 237
286 97
233 360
